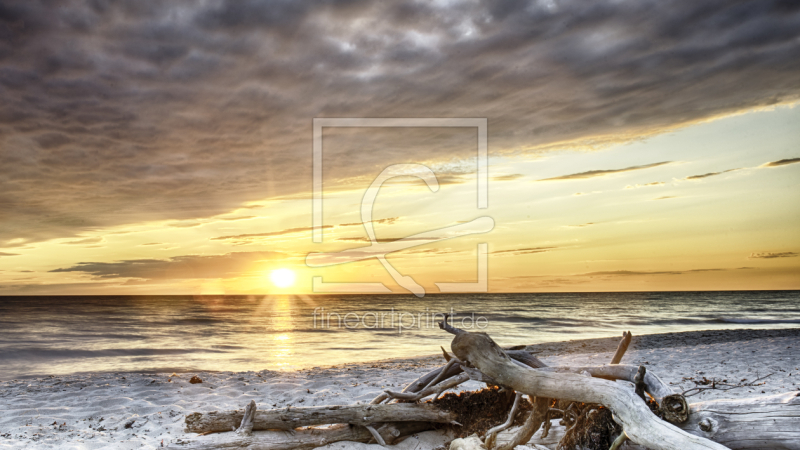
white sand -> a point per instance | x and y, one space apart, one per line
91 411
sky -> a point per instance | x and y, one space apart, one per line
166 147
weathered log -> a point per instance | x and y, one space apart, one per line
622 347
767 422
531 425
450 371
771 421
491 434
291 418
246 428
526 358
423 381
653 385
431 390
303 439
641 426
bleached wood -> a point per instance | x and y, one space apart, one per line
291 418
654 385
630 411
431 390
467 443
246 428
302 439
492 433
534 421
622 347
768 422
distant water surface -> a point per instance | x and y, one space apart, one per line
63 335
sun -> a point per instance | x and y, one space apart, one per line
282 278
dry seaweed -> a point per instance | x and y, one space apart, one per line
478 411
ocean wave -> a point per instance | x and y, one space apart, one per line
755 321
41 353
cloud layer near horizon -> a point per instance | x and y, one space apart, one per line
179 267
119 112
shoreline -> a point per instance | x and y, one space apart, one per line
93 410
555 348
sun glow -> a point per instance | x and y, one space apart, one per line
282 278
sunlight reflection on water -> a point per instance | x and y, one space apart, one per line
60 335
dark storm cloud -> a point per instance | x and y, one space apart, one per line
120 112
782 162
179 267
601 173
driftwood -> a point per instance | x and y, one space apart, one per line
753 423
622 347
653 385
291 418
759 423
767 422
534 421
304 439
641 426
246 427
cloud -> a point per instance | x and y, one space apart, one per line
711 174
772 255
153 243
523 251
782 162
510 177
601 173
8 254
239 218
240 237
637 186
123 112
583 225
185 225
628 273
388 220
94 240
248 237
666 197
178 267
364 239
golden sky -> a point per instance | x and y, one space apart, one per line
710 206
150 148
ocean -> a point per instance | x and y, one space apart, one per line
42 336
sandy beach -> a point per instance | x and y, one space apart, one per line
136 410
